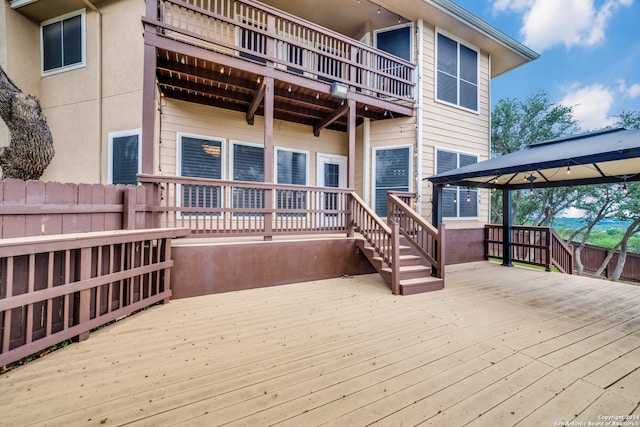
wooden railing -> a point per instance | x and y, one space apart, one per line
53 288
263 34
424 237
561 254
538 246
210 207
374 230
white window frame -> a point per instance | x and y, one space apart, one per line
119 134
468 46
412 52
83 63
374 171
460 189
292 150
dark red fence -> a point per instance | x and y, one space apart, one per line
592 258
35 208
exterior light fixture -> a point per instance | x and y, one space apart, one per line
339 90
379 10
568 170
289 89
468 195
624 189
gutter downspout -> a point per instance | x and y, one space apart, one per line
99 85
419 116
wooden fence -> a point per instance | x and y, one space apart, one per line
593 256
71 259
35 208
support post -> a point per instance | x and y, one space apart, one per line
351 131
148 108
506 228
395 258
436 220
268 157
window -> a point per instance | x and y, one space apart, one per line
392 174
457 75
396 41
247 164
291 168
200 157
457 202
63 43
124 157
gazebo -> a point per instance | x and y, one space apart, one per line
605 156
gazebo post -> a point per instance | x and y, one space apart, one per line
506 228
436 213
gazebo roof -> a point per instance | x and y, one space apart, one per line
607 156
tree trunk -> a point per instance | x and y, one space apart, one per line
30 148
624 248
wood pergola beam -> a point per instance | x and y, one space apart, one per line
335 115
255 103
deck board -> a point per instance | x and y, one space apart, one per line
497 346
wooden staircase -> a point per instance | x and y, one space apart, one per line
408 252
414 276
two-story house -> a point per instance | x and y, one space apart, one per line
367 95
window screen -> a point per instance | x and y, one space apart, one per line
124 159
62 43
392 174
457 73
201 158
248 165
292 169
457 202
396 42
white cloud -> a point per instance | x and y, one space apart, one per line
632 91
547 23
591 106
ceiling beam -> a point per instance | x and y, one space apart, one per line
255 103
330 119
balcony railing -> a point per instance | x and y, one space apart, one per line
266 35
210 207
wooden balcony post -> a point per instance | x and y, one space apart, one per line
268 157
351 130
350 215
129 211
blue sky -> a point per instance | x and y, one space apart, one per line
590 53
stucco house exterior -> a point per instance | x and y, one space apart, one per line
365 95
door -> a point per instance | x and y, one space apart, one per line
331 172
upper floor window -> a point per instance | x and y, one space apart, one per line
396 41
63 43
457 73
457 202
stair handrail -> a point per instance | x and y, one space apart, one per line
374 230
561 253
424 237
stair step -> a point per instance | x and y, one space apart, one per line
411 271
420 285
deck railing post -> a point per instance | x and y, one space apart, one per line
83 299
350 216
395 258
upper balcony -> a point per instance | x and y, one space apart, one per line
218 52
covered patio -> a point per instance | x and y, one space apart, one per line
486 350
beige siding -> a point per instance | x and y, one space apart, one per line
452 128
178 116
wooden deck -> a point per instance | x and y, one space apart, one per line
497 347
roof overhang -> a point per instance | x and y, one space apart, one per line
607 156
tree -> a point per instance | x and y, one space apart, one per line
514 126
30 148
